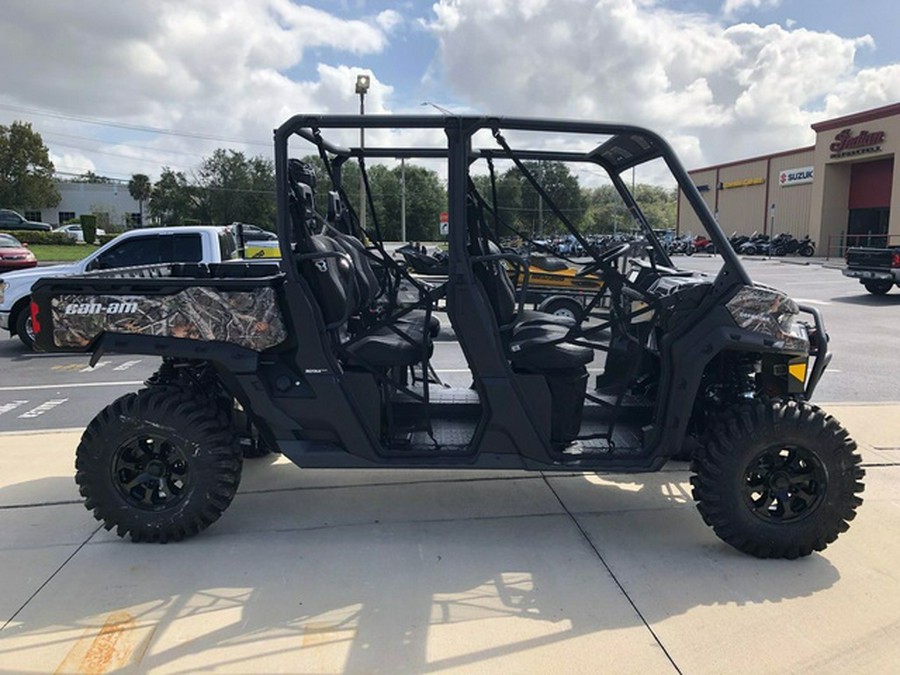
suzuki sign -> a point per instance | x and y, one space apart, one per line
799 176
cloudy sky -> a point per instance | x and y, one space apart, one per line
127 87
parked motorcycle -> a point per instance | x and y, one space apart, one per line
757 244
786 244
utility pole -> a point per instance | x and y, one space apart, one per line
403 199
540 216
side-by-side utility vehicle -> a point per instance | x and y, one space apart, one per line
325 355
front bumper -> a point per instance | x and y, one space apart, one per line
818 349
4 320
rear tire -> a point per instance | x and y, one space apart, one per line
778 479
878 287
807 251
158 466
24 329
566 307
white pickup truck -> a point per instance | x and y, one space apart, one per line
146 246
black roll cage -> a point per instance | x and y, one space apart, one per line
628 146
473 319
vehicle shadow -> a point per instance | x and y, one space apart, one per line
868 300
405 577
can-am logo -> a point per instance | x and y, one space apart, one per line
847 144
101 308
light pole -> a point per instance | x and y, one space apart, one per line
362 86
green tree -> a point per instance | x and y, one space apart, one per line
233 188
426 198
534 213
26 172
172 200
605 211
140 188
509 201
658 204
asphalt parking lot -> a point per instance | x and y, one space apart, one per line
419 572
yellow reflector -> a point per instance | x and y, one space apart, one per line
798 371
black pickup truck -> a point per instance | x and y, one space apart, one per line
878 269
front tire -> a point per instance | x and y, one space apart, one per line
878 286
778 479
158 465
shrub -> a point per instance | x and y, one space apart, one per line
41 237
89 227
106 238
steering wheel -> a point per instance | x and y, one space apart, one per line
606 260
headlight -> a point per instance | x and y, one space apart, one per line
765 310
2 291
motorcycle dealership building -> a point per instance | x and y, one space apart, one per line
842 191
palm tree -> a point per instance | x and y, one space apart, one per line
140 188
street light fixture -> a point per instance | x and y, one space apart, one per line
362 86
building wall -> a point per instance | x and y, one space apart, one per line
792 200
830 213
688 223
86 198
742 197
742 193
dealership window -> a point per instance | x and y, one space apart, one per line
33 215
66 216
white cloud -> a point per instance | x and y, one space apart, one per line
731 7
388 20
724 92
226 69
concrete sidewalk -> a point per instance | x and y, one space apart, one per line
396 572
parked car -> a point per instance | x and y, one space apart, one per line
74 231
14 255
256 233
12 220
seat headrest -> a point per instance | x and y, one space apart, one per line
335 208
301 172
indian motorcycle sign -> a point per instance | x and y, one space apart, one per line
848 144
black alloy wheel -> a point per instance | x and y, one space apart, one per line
784 483
151 472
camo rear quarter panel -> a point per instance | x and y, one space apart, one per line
248 319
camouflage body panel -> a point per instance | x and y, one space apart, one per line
249 319
764 310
